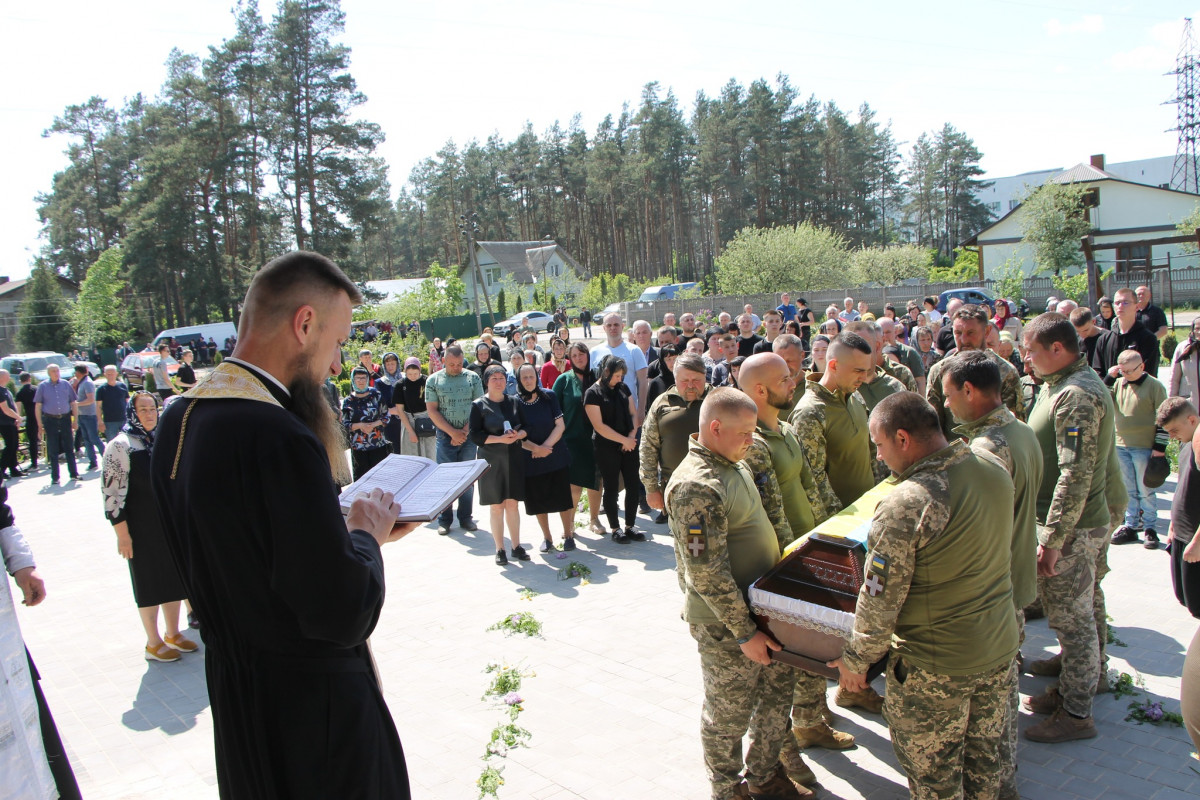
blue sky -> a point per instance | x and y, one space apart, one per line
1036 85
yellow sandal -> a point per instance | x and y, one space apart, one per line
181 643
162 653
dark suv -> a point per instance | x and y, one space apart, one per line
972 296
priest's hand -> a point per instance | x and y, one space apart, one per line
401 529
376 514
31 585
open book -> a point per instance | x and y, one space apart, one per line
423 488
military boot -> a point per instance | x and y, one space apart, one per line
1061 727
1046 703
794 766
823 735
779 787
868 700
1050 667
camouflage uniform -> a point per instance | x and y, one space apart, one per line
1073 420
1010 391
1013 442
669 421
1029 392
832 429
901 373
938 594
724 541
775 459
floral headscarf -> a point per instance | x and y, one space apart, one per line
133 426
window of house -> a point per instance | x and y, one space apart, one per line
1134 257
994 208
1013 204
493 275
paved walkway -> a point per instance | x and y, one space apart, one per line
614 703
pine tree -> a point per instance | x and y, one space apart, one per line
42 317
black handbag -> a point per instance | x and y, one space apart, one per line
424 426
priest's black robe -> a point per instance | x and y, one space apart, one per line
286 598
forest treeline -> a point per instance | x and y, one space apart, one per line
255 148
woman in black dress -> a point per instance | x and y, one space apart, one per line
609 405
130 506
495 424
547 459
569 389
389 376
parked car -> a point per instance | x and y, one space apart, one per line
538 320
974 296
669 292
35 364
135 367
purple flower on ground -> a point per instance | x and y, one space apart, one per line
513 699
1154 711
514 619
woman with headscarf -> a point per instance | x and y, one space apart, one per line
610 407
408 402
390 376
130 506
495 425
365 417
1006 320
569 389
547 459
1185 368
922 339
1106 315
483 360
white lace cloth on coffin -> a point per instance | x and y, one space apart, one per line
801 612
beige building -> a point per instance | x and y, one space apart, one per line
1129 218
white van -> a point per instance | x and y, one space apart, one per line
217 331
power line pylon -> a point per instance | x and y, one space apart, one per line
1186 175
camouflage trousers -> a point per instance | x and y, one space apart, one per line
739 696
808 709
1008 741
1072 607
946 729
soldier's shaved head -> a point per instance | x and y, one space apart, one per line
766 379
727 422
909 412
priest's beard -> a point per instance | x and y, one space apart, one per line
309 404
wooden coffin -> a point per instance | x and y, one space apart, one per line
806 602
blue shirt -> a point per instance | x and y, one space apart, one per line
788 311
113 401
453 394
82 390
55 396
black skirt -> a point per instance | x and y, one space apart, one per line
548 493
152 569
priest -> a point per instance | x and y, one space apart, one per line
245 469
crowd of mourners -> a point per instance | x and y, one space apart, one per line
1016 453
646 422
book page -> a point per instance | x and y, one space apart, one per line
421 487
396 474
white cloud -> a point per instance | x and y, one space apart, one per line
1158 56
1089 24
